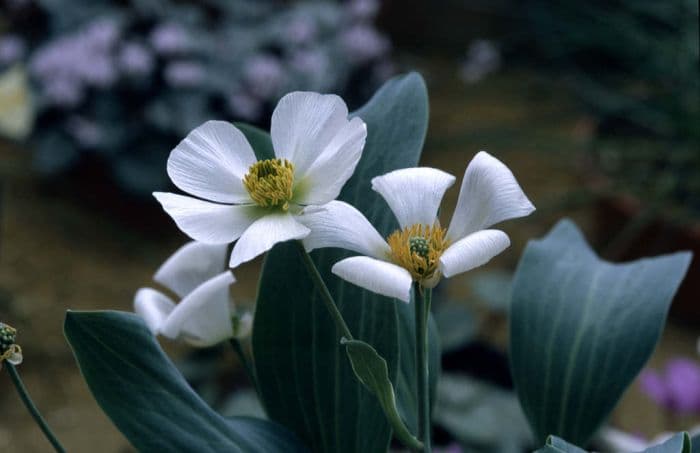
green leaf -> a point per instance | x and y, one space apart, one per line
149 400
678 443
370 368
695 444
259 140
582 328
306 380
558 444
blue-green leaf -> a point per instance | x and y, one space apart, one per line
370 368
582 328
306 380
678 443
149 400
259 140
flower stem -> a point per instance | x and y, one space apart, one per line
325 294
422 305
31 407
238 348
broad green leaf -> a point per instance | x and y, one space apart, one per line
259 140
148 399
306 380
695 444
370 368
678 443
582 328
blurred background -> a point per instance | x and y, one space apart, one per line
594 106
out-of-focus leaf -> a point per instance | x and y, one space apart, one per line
456 326
678 443
492 289
483 417
148 399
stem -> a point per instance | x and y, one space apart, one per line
29 404
325 294
238 348
422 305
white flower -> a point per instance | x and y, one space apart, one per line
205 315
421 250
257 202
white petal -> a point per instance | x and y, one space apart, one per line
473 251
329 173
489 194
191 265
377 276
211 162
303 124
206 222
204 317
413 194
337 224
263 234
154 307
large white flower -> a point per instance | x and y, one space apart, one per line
421 250
205 314
317 148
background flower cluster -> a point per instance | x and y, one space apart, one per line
118 83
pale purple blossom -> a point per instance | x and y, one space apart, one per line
135 59
676 388
244 106
363 43
12 49
86 132
170 39
63 92
364 10
264 75
483 58
68 64
99 72
311 62
184 74
299 30
102 33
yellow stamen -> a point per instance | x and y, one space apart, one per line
417 249
269 182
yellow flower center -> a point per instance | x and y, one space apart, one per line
417 249
269 182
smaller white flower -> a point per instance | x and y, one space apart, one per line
205 314
421 250
257 203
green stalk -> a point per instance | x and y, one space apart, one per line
422 305
31 407
325 293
